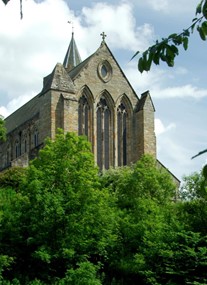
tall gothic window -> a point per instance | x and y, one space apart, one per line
36 138
122 134
25 145
17 148
104 134
84 122
8 155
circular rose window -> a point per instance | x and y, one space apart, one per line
105 71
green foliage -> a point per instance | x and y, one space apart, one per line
143 193
142 180
58 218
194 186
167 49
13 177
61 222
2 130
85 274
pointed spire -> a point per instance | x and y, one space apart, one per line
72 57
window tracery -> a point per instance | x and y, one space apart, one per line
122 134
83 116
104 134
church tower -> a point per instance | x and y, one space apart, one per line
91 98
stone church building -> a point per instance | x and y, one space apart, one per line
92 98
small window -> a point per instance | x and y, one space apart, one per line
104 71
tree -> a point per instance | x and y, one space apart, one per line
167 49
194 187
2 130
65 224
143 193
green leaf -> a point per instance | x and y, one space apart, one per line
204 10
149 61
185 43
177 40
199 7
156 58
201 33
204 27
186 33
163 57
172 36
170 62
141 65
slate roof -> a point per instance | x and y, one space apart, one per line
76 70
23 114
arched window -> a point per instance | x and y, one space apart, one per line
17 148
25 145
104 135
85 117
124 131
36 138
25 141
8 155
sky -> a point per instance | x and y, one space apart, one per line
31 47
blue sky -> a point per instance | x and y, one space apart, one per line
31 47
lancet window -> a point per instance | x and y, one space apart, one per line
17 148
84 117
8 155
122 132
36 138
104 134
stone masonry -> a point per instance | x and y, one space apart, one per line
119 124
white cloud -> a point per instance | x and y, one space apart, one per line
185 91
15 104
31 47
157 79
119 23
170 7
160 128
176 156
159 5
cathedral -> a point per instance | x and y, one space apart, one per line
91 98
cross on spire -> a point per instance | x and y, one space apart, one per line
103 36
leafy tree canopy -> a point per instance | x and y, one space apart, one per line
58 223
